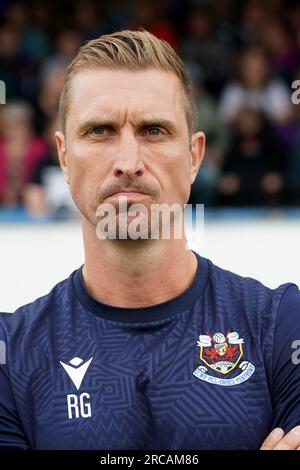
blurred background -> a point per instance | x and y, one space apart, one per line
242 58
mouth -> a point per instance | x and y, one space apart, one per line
129 193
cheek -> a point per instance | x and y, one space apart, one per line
84 175
178 175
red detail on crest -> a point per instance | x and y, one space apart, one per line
231 351
213 355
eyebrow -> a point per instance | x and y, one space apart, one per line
91 123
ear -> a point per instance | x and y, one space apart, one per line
62 154
197 153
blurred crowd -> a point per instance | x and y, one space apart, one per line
241 57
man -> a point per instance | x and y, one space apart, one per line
148 345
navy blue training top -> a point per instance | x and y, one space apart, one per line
209 369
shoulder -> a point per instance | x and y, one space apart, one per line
288 319
248 295
263 313
245 285
291 298
34 314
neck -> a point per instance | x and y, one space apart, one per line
132 274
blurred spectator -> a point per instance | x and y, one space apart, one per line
48 99
18 72
294 167
205 187
17 15
292 16
254 167
153 16
294 151
255 15
20 150
119 16
12 66
33 25
282 50
67 44
35 40
87 21
47 193
257 89
240 54
202 48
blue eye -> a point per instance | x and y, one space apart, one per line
98 130
154 131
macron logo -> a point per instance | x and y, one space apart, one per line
76 370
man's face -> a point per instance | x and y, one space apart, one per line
127 130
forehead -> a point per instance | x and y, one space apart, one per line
118 92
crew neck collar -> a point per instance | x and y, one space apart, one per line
145 314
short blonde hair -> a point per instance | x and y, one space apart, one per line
131 50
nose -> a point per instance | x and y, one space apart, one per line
128 159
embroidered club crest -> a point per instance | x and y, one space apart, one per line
222 354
